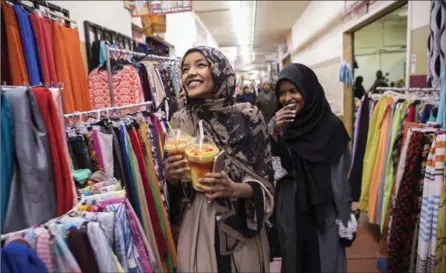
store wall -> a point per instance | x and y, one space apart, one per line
388 34
110 14
320 46
419 16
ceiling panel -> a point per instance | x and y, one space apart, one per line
273 21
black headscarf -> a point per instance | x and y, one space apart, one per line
317 138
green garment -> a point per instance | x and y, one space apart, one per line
397 119
370 153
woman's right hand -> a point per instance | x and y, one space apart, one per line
175 168
284 116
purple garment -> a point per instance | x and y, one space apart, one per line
137 236
97 148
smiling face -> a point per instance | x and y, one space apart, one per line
197 76
290 95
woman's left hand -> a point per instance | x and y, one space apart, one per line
216 185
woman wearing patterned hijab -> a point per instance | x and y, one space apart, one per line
221 228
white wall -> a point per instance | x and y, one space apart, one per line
182 32
420 14
320 45
110 14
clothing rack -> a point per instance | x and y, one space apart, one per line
50 8
109 49
102 33
98 111
409 89
75 208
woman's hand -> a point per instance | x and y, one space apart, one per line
216 185
284 116
175 168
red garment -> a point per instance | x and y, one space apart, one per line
411 114
160 240
61 169
126 88
42 29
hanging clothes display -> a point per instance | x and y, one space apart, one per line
40 185
134 159
402 178
133 81
101 234
44 51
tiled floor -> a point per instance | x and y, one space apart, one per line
361 256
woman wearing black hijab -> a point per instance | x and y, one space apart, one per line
358 88
311 160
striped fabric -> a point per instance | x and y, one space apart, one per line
437 42
433 182
44 251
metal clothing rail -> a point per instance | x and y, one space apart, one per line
109 49
98 111
409 89
50 8
75 208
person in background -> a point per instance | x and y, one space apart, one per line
379 82
267 101
246 96
358 88
310 149
222 223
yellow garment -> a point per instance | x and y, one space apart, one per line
118 264
370 153
397 120
375 180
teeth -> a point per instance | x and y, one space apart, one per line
193 84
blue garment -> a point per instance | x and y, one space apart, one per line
102 55
28 44
16 257
7 139
247 97
346 74
123 140
441 118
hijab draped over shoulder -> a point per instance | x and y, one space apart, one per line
239 130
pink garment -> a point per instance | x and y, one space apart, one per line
44 251
97 148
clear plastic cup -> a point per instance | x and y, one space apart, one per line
201 158
175 144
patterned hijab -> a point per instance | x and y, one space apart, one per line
239 130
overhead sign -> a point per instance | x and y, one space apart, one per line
167 6
140 8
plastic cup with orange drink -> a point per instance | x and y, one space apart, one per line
176 143
201 158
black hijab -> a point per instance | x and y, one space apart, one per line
316 139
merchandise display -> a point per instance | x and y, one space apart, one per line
401 180
44 51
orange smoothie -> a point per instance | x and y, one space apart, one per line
200 160
177 146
